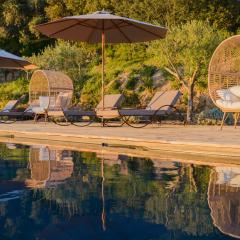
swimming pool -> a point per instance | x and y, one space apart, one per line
55 193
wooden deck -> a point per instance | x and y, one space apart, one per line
201 143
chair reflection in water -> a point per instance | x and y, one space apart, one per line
224 199
49 167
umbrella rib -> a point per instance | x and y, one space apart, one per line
141 28
53 22
63 29
110 28
120 30
18 63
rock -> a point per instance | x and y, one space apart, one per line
158 79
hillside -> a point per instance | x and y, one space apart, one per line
137 70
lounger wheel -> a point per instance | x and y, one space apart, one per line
111 123
137 121
7 120
175 114
81 121
61 121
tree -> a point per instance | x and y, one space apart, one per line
185 54
18 18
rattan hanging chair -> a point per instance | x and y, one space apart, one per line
49 85
48 166
224 73
223 200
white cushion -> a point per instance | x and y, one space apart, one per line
228 104
51 102
44 102
38 110
235 90
227 95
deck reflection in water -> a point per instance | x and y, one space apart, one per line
84 195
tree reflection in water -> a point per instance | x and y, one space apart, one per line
73 195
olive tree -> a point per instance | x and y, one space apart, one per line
185 54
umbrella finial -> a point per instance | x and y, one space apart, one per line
103 11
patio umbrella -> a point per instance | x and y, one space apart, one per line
9 60
102 27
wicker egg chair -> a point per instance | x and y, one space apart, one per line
223 200
223 73
49 85
48 166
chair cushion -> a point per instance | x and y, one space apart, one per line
231 105
63 100
227 95
235 90
162 100
10 105
44 102
111 101
38 110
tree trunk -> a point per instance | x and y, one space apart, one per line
190 103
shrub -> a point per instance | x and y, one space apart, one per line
213 117
13 90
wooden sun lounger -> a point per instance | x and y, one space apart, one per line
162 104
111 102
9 114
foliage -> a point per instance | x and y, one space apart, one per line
18 33
13 90
195 28
213 117
185 54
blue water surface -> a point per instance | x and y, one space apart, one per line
51 193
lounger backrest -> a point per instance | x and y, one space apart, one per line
111 101
164 98
10 105
61 101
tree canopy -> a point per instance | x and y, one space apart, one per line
185 54
19 17
196 27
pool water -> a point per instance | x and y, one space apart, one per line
52 193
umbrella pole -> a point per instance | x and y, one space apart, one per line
103 197
103 66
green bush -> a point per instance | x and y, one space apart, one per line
213 117
13 90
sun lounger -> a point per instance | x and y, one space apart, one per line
162 104
50 106
9 114
79 117
12 104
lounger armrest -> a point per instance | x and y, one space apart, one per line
132 108
107 109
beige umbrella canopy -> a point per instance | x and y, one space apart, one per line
102 27
11 61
